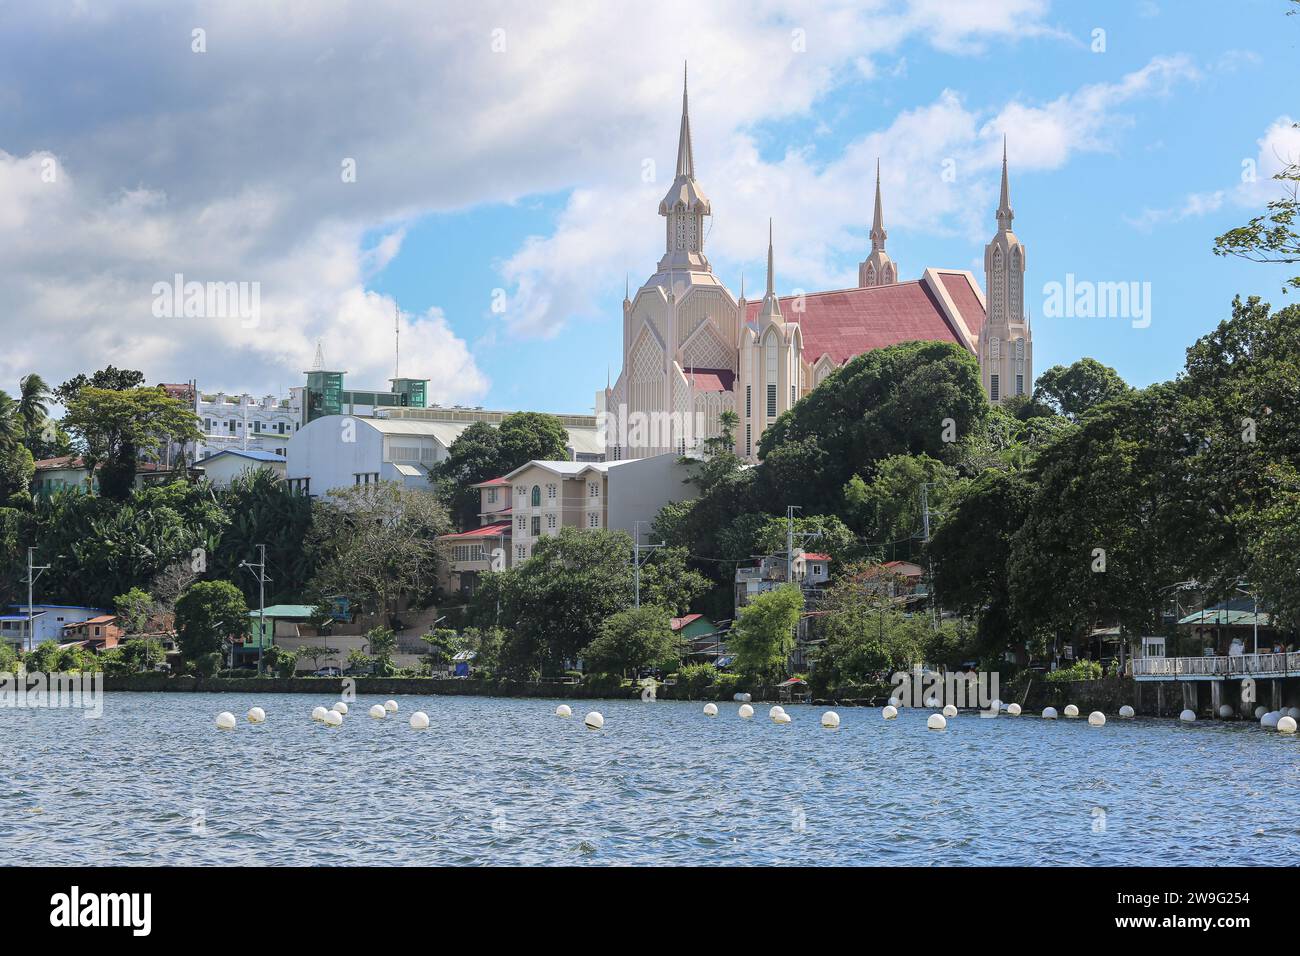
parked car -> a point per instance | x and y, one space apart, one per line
328 672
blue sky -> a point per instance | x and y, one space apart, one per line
519 169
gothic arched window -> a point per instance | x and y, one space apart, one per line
537 496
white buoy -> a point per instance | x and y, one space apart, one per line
419 720
1188 716
950 711
745 711
781 718
932 702
256 715
390 706
378 712
333 718
1270 719
1286 725
1071 710
778 709
1225 711
564 710
996 706
594 720
710 710
741 698
1096 719
318 713
830 719
936 722
1013 710
1126 711
225 720
340 708
890 712
1260 711
1049 713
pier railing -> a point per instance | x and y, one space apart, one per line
1242 665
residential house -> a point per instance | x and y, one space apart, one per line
95 634
225 466
47 623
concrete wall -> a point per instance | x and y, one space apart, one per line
222 471
636 490
320 451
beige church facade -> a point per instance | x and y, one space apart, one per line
691 350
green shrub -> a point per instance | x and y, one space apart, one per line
1079 670
206 665
697 680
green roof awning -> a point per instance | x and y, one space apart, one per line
298 611
1219 617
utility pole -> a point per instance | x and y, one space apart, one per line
637 548
34 571
789 541
260 568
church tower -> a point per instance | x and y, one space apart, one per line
684 207
877 268
1005 342
771 365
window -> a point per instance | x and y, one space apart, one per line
257 426
537 526
618 452
550 522
771 400
365 478
1020 385
492 496
519 552
749 441
537 496
792 399
593 489
593 520
521 523
207 425
230 426
521 491
749 403
550 492
993 388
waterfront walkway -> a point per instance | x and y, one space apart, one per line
1216 668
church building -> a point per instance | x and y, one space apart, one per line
692 351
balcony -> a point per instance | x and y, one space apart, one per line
1217 668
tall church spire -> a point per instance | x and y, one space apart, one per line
771 305
877 268
878 233
685 206
685 156
1005 215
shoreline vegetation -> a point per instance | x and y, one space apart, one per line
1106 694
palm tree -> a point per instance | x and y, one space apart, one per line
11 429
32 397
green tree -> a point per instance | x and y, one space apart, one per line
383 644
1074 390
377 543
668 581
764 633
444 643
1272 236
115 427
633 640
44 657
526 436
206 613
475 456
117 379
133 610
909 399
553 604
264 510
314 653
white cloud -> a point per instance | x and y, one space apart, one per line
225 165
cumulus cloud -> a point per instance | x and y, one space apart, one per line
229 165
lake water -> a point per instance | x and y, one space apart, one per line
497 781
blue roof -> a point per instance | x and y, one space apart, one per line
252 453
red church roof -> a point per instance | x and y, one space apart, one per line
848 322
710 379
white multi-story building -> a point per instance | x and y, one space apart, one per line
245 423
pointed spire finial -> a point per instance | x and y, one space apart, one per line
1005 215
742 285
878 234
769 257
319 364
685 155
627 287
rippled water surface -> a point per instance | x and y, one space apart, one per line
498 781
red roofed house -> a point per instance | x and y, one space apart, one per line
692 351
96 634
